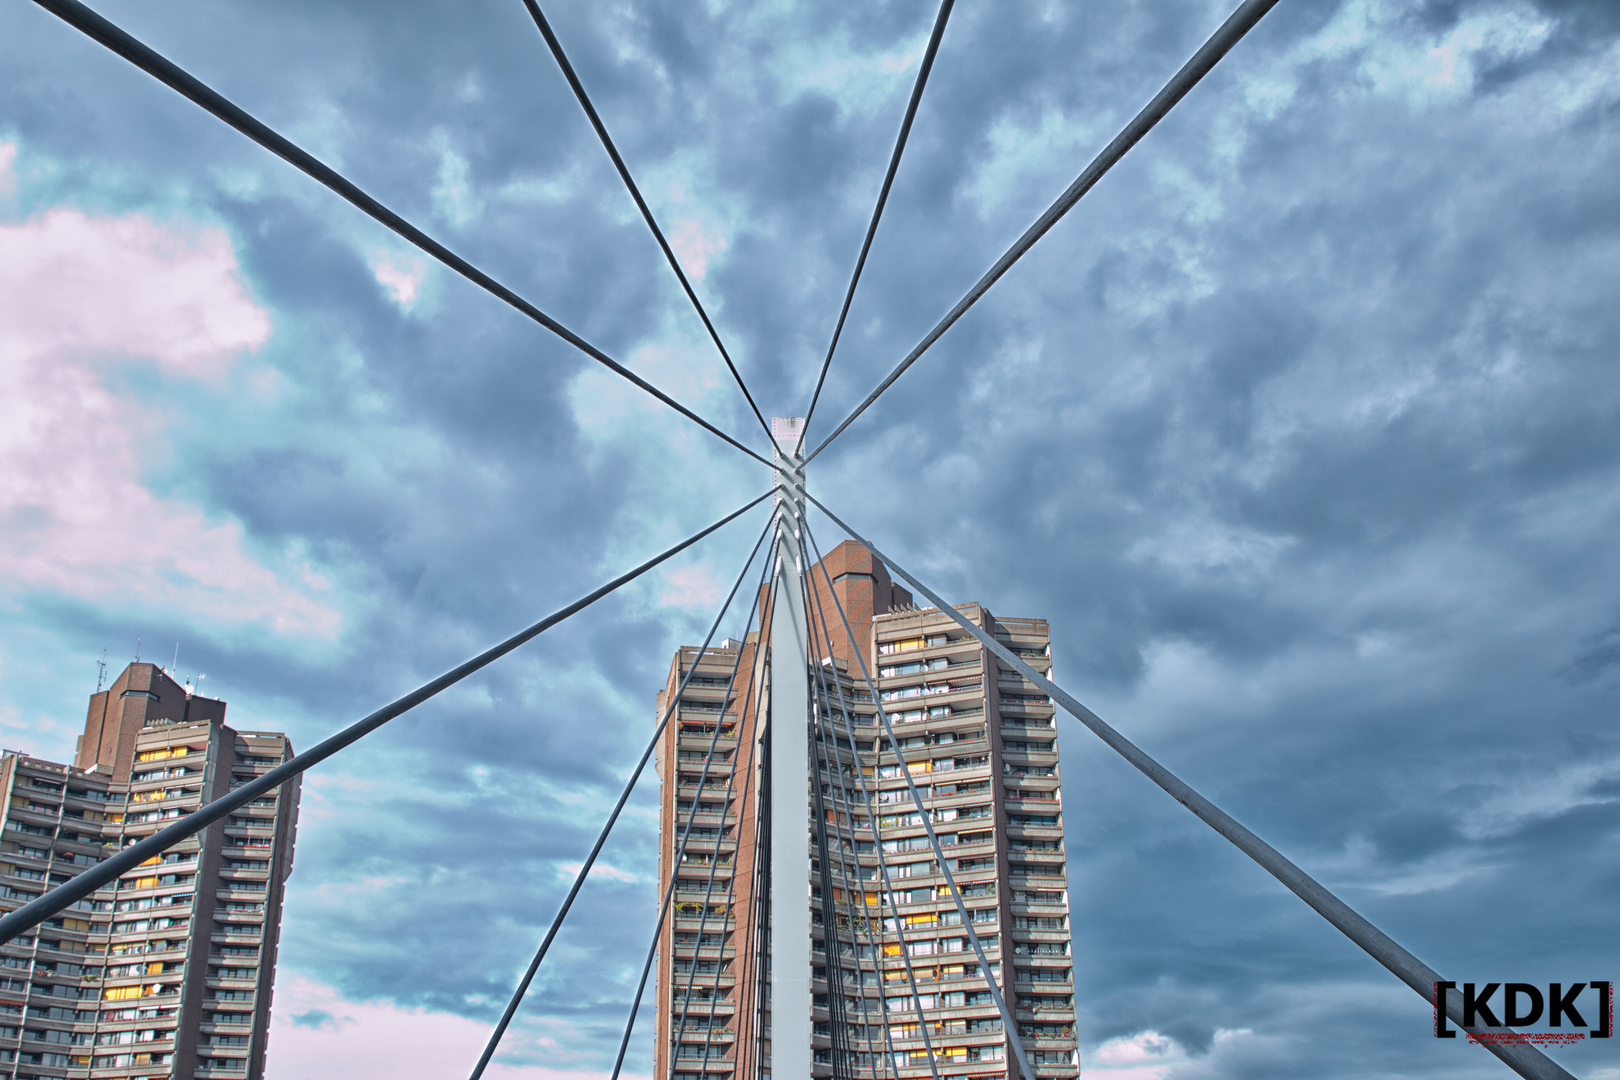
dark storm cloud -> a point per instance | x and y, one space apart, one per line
1299 429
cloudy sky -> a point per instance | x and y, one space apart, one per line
1303 430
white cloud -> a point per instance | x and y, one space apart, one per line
694 586
696 245
316 1032
86 301
860 82
453 197
1144 1056
400 275
1394 61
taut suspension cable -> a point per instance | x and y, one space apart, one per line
1007 1019
1219 44
172 75
882 200
82 885
888 898
834 756
1523 1058
686 829
748 787
635 193
607 827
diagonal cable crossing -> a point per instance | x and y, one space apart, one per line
635 193
888 897
1007 1019
172 75
755 694
686 829
1239 23
1524 1058
596 849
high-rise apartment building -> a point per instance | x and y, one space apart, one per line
896 988
166 973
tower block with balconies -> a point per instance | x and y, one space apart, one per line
980 745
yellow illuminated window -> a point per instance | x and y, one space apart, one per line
146 883
121 993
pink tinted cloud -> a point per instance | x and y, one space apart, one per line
400 276
316 1035
692 586
696 247
82 296
1145 1056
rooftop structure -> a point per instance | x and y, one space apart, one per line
168 970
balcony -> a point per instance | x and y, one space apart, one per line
1039 798
1026 852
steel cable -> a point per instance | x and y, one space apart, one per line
837 1020
832 756
832 944
624 797
172 75
872 822
828 753
1007 1019
1219 43
882 200
82 885
1522 1057
708 889
635 193
752 959
731 887
877 846
829 757
686 832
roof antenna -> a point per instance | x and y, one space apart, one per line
175 666
101 670
137 650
